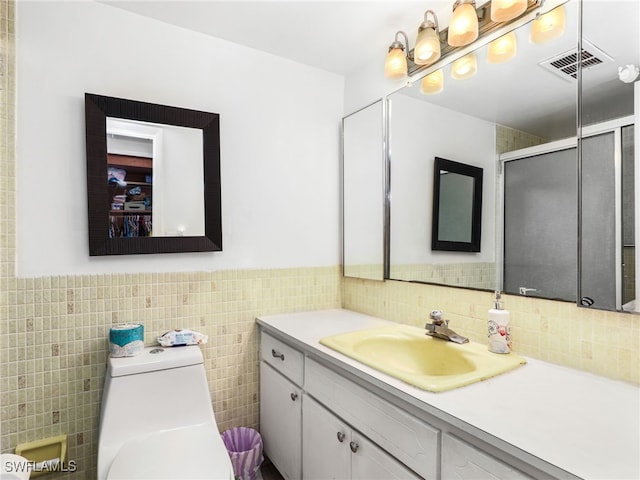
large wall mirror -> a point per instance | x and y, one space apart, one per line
153 178
363 200
480 115
518 121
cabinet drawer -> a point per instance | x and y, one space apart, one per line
461 461
286 360
412 441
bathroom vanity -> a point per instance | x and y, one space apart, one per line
324 415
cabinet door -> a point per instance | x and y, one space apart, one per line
281 421
461 461
325 444
369 462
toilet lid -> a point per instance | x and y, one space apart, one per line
185 453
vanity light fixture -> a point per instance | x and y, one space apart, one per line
432 83
463 28
505 10
549 26
502 48
427 49
464 67
395 65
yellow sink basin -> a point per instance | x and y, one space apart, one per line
429 363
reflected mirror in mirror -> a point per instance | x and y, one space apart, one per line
457 206
504 108
153 178
363 193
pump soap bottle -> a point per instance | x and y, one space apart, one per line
499 330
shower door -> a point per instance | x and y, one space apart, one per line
541 229
600 266
540 225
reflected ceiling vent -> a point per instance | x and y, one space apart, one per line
565 65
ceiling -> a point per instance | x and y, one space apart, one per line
341 36
337 36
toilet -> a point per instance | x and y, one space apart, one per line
157 421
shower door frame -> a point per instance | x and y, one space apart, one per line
612 126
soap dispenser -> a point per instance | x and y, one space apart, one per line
499 329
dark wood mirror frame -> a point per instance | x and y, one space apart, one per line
476 208
97 109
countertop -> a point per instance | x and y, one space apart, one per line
582 423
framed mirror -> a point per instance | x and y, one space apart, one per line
153 178
457 206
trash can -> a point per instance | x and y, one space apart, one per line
245 450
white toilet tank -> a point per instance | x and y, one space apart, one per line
161 392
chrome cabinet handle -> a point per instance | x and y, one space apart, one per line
340 436
277 354
354 446
294 397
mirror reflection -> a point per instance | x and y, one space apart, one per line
363 193
517 120
608 197
475 116
457 206
149 194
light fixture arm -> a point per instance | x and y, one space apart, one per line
429 23
457 3
398 44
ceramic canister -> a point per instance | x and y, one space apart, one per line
126 340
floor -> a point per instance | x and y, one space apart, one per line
269 472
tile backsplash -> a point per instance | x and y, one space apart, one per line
605 343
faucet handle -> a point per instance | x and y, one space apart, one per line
438 317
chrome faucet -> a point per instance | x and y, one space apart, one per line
439 327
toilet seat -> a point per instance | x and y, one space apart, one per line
184 453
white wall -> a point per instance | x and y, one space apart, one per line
279 138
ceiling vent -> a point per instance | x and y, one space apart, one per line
565 65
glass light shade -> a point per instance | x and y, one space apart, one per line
463 28
502 49
432 83
505 10
465 67
548 26
395 66
427 49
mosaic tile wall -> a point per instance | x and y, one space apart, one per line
509 139
605 343
54 343
471 275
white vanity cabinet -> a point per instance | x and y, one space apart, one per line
331 449
321 420
401 435
281 371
